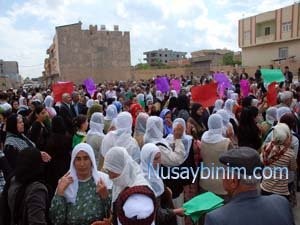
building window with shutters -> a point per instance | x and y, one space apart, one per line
283 52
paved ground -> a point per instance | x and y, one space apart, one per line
297 210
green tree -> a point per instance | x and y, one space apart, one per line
228 59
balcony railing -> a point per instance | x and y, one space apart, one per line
265 39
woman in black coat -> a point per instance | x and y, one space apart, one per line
59 146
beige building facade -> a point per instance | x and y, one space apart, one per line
271 37
77 54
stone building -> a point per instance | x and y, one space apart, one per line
271 37
76 54
9 73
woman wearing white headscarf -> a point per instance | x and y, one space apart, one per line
228 107
150 160
95 136
278 154
173 93
213 144
154 134
121 137
187 140
140 128
227 126
49 100
89 103
132 196
280 112
218 105
111 114
81 196
23 107
271 118
177 187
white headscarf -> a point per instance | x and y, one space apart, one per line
218 105
118 161
111 112
96 124
89 103
280 133
140 124
271 115
173 93
22 106
254 102
121 137
281 111
154 131
225 119
159 95
234 96
147 157
187 140
71 191
140 97
49 100
229 92
99 95
229 108
215 128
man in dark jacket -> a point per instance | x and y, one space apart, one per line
67 112
247 206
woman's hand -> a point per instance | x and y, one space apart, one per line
101 189
179 212
63 184
104 222
45 157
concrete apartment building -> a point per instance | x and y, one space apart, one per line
270 37
163 56
76 54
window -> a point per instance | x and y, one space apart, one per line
160 55
177 56
166 55
247 35
267 31
283 52
287 26
166 61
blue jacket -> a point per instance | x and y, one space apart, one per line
250 208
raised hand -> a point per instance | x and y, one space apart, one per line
63 183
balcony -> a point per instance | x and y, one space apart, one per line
265 39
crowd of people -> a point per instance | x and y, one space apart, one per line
87 159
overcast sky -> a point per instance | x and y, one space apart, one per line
27 27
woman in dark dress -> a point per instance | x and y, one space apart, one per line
59 146
39 132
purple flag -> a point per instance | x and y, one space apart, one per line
221 78
162 84
223 83
176 85
244 87
90 86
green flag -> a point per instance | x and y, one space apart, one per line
270 76
201 204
